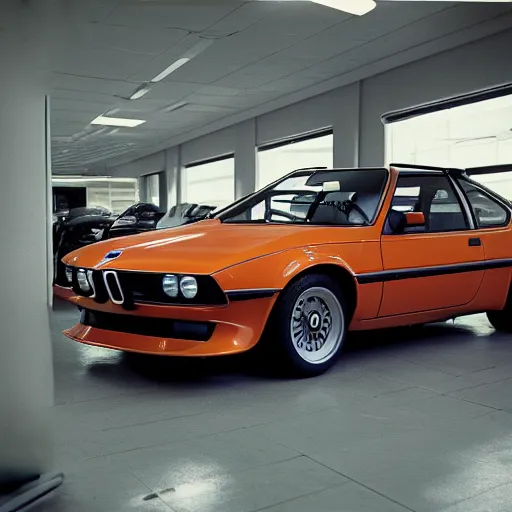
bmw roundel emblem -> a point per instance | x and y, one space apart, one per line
112 255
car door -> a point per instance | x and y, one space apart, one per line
434 266
492 218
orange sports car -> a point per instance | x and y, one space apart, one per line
298 264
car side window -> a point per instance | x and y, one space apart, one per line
435 197
488 212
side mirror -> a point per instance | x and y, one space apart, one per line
414 219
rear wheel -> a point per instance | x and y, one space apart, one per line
502 320
308 325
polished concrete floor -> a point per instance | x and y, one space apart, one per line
416 419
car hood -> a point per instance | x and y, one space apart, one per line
201 248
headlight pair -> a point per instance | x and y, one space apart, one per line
172 285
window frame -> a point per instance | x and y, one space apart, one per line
495 198
465 206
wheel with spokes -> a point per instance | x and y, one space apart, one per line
309 325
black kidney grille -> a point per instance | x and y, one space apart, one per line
114 287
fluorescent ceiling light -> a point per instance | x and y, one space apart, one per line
173 67
117 121
141 91
357 7
185 58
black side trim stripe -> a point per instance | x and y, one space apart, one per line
261 293
414 273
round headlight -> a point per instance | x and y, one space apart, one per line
170 285
69 274
83 282
188 287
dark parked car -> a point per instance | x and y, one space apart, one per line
78 228
85 226
138 218
185 214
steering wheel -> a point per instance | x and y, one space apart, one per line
349 205
281 214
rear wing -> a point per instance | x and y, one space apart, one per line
491 169
469 171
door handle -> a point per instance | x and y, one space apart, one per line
475 242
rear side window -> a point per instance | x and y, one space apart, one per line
434 196
488 212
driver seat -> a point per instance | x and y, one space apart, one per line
328 214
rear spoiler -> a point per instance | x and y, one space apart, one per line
469 171
491 169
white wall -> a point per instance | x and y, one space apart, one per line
354 111
137 168
216 144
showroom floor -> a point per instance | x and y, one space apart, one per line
416 419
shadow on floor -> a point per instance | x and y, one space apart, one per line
223 371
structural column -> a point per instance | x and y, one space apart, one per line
173 176
245 158
26 374
346 126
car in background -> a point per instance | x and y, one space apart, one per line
292 268
139 218
185 213
75 229
84 226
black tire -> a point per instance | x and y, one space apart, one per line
502 320
280 344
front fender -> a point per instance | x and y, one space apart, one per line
275 271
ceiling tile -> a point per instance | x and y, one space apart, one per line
90 84
151 40
99 63
194 15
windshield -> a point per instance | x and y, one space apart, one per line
319 197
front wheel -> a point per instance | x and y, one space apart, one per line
308 325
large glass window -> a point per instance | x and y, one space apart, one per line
210 183
114 194
474 135
275 161
339 198
152 183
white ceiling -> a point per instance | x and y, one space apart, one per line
264 50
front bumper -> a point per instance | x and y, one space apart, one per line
234 328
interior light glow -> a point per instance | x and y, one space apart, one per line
140 92
192 52
117 121
357 7
170 69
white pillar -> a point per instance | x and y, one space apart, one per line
245 158
26 374
173 175
346 126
